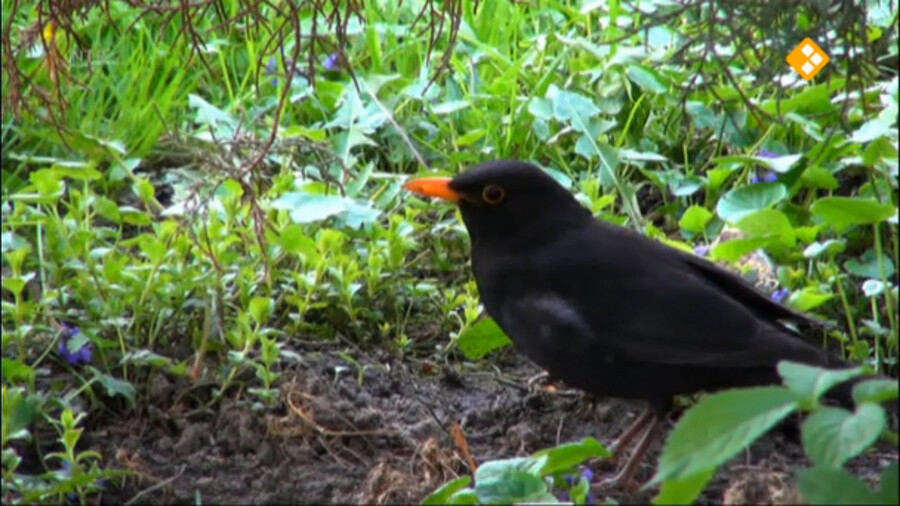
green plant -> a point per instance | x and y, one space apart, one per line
723 424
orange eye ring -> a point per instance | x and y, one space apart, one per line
493 194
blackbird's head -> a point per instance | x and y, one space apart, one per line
507 200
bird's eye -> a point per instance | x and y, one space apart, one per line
492 194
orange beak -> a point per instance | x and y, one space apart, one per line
433 187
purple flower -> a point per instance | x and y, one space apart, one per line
331 62
570 479
272 66
702 250
587 474
780 295
767 176
83 355
765 153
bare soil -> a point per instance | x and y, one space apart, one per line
385 436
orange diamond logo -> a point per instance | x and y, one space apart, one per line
808 59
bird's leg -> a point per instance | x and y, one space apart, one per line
620 444
625 477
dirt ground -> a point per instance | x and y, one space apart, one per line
386 438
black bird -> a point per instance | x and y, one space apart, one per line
608 310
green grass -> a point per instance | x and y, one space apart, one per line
136 213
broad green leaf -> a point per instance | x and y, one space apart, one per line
820 485
115 386
718 427
683 490
874 129
541 107
108 209
832 436
261 308
450 107
810 382
313 134
516 480
744 200
308 208
471 137
781 164
769 223
809 297
15 371
868 266
293 239
829 247
568 455
736 249
646 78
890 489
482 338
695 219
844 212
819 177
442 494
875 390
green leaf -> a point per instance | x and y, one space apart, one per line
115 386
471 137
695 219
108 209
481 338
646 78
829 247
313 134
541 107
809 297
516 480
745 200
451 107
867 266
46 182
261 309
769 223
819 177
810 382
890 490
568 455
781 164
845 212
875 390
293 239
832 436
15 371
442 494
682 490
718 427
732 251
821 485
308 208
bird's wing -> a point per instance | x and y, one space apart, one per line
739 289
627 300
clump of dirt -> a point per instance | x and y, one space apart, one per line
386 437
